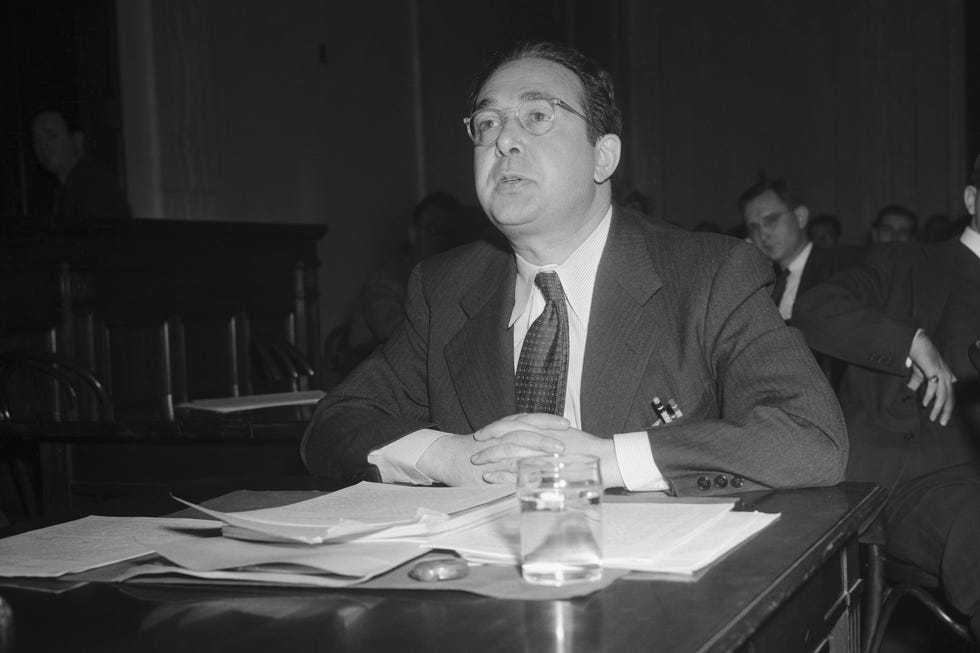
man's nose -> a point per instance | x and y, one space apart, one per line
511 138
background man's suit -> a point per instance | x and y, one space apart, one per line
672 311
868 316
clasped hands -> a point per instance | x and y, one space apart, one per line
928 366
490 455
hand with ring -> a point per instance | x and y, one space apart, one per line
927 363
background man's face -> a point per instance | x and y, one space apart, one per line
893 228
776 229
530 185
823 235
54 145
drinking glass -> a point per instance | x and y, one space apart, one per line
561 519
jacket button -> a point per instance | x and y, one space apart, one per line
737 481
721 480
704 483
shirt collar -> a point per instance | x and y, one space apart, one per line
971 238
576 273
797 264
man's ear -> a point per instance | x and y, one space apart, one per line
607 151
970 199
802 215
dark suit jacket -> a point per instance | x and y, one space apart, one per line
825 263
867 316
674 314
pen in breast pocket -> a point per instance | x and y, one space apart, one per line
662 411
665 414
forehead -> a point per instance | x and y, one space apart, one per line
894 218
50 123
764 205
524 78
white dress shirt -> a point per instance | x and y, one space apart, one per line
794 273
397 460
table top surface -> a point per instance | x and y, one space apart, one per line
716 613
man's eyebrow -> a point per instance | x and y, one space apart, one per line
482 104
525 97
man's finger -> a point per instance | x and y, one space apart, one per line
948 403
507 425
544 421
916 380
500 477
535 440
932 387
501 452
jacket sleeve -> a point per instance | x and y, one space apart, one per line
779 424
848 317
383 399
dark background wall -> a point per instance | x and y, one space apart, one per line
342 113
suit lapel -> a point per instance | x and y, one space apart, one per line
814 271
480 356
624 328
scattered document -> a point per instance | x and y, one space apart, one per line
358 559
88 543
367 508
254 402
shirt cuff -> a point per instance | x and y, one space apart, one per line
396 461
635 459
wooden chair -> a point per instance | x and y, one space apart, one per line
890 582
57 389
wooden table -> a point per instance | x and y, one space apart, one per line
79 460
795 587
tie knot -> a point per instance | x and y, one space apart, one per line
550 286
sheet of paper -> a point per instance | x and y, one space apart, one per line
252 402
365 508
88 543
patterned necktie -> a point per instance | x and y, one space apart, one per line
542 369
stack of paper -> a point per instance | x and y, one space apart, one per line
664 537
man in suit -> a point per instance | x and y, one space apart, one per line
777 224
589 312
905 320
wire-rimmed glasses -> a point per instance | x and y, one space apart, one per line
537 116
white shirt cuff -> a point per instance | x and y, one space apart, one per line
635 459
397 460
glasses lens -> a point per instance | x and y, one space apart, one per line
537 116
485 126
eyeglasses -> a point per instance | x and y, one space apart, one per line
767 222
536 116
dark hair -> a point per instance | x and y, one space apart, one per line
975 173
897 209
599 99
825 218
439 200
778 187
69 117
